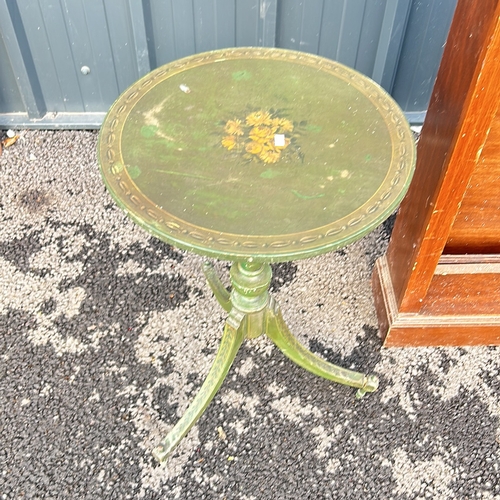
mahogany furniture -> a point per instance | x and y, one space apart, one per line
439 282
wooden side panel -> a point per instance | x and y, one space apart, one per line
463 295
463 104
422 297
477 226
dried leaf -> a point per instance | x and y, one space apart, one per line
9 141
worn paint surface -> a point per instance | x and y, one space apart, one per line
351 152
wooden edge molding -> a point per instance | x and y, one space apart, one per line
427 329
468 264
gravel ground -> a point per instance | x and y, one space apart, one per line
106 334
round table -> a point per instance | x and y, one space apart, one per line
256 156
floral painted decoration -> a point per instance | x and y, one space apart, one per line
261 135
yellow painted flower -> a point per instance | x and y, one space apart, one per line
275 123
233 127
259 118
269 155
229 142
285 125
261 133
253 148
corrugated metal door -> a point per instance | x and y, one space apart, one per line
63 62
425 36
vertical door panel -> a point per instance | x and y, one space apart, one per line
421 52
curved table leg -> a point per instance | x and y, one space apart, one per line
218 289
279 333
232 339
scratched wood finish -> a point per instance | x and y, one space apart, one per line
416 304
462 294
477 226
461 308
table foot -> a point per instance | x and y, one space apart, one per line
218 289
232 339
278 332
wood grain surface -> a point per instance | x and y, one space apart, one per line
453 203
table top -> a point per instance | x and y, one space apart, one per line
266 154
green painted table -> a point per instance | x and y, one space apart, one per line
256 156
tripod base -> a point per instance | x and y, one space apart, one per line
252 312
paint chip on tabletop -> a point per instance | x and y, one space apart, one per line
279 140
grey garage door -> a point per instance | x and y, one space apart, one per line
63 62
